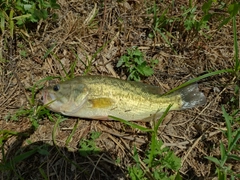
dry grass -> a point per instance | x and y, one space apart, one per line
192 134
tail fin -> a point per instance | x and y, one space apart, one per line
191 96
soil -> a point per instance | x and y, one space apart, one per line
95 44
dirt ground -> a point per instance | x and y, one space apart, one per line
76 36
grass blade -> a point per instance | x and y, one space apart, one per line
228 125
162 117
133 125
213 159
223 154
236 55
2 23
11 23
234 157
41 171
234 141
69 138
154 136
194 80
49 51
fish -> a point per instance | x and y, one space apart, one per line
103 98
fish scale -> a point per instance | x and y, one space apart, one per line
98 97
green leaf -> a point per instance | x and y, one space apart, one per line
154 62
171 161
135 64
222 175
23 156
43 152
2 23
145 70
88 146
223 153
233 9
177 176
27 7
133 125
137 53
224 22
134 75
54 5
138 60
228 120
206 6
234 141
136 173
40 14
120 62
95 135
236 51
135 155
205 19
234 157
213 159
18 158
42 172
162 117
200 78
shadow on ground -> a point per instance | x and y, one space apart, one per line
40 160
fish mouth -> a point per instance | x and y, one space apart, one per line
43 97
48 100
47 97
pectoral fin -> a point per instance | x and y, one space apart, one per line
74 106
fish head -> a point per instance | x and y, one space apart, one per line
66 97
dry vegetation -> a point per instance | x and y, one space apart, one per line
94 35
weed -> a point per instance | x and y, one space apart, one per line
20 12
36 111
233 10
10 165
88 146
160 24
164 160
190 21
157 160
6 134
233 136
188 17
60 119
227 151
135 64
23 51
34 114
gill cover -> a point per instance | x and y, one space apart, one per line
66 98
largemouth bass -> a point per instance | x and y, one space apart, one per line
98 97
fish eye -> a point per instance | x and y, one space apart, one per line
56 87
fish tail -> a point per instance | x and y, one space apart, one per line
191 96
